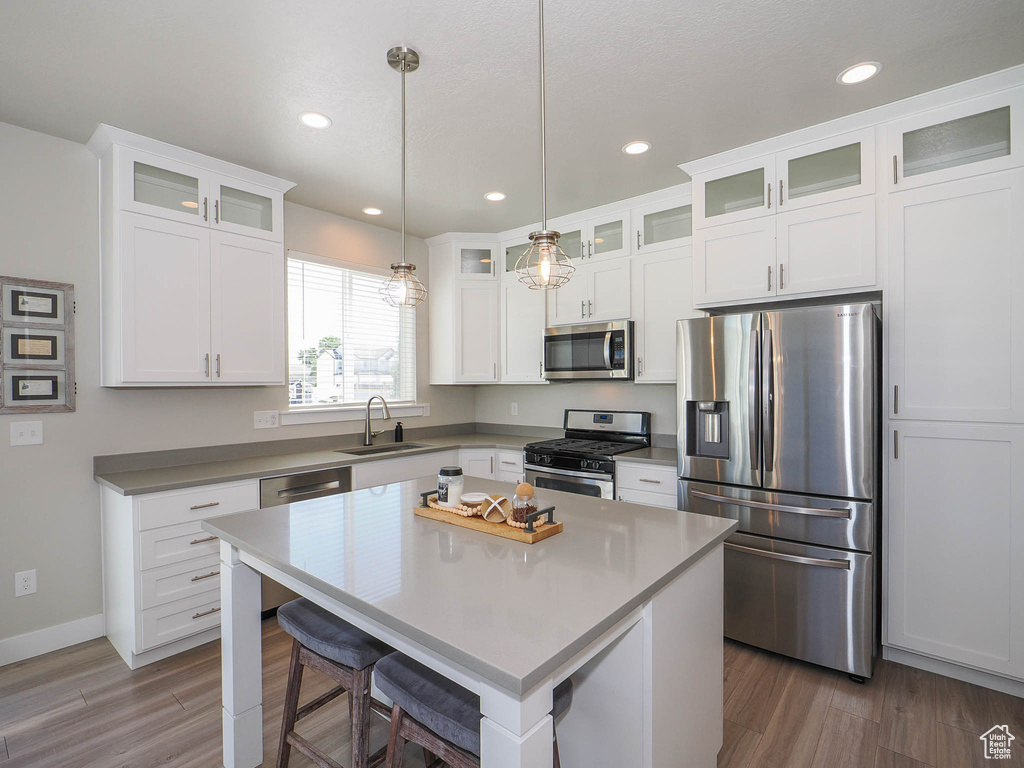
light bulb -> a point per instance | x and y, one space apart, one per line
403 291
545 269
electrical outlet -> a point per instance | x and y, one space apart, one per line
25 583
26 433
264 420
515 409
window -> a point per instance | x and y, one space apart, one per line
344 343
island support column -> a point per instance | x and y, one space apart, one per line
516 732
241 661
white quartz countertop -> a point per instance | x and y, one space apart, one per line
511 612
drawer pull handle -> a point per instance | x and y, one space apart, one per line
209 575
654 482
844 564
834 512
510 463
205 506
205 613
203 541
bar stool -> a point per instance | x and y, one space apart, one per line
439 715
345 654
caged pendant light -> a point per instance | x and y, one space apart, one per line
544 266
403 288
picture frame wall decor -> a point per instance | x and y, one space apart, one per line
37 346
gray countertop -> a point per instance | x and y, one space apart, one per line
134 482
511 612
662 456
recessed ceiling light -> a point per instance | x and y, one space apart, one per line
636 147
858 73
495 197
315 120
372 211
190 203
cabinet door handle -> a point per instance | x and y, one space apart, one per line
782 196
638 245
216 211
540 369
590 311
206 368
769 194
206 209
769 278
205 613
896 398
205 506
640 365
218 365
209 575
203 541
895 170
782 272
896 444
492 465
583 309
495 371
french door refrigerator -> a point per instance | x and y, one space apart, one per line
778 429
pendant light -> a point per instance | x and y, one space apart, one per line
403 288
544 266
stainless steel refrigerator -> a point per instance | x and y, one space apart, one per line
778 429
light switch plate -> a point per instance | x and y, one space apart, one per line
264 419
26 433
515 409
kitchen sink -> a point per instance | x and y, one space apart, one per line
369 450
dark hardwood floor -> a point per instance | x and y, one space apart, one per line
81 707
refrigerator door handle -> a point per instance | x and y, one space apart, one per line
844 564
768 401
753 387
838 512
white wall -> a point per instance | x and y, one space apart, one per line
49 503
541 405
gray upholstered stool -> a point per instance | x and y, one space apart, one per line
439 715
345 654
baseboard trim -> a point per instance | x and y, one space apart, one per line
31 644
957 672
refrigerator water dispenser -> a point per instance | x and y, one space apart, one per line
707 429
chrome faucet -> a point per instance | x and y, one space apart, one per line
369 434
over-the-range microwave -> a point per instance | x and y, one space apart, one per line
591 351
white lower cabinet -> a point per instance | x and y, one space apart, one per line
384 471
955 522
509 466
478 462
644 483
662 294
161 571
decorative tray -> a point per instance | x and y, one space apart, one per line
535 530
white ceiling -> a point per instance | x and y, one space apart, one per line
229 77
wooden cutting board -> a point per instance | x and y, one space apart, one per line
543 531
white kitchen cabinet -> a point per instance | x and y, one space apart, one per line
644 483
836 168
968 138
478 462
370 474
475 260
955 303
157 323
955 520
522 334
476 332
192 267
597 292
738 192
247 310
662 294
663 226
514 245
734 262
509 466
608 236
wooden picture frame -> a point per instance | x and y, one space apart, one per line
37 356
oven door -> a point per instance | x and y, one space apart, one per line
593 351
595 484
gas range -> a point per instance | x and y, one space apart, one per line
583 460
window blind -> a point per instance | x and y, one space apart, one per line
344 343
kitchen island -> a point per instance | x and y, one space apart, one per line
627 600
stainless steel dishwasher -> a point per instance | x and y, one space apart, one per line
288 489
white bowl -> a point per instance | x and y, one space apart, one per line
473 498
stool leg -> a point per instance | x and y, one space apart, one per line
291 704
360 698
396 744
428 757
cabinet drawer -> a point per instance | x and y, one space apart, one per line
191 504
510 461
173 622
509 477
668 501
173 544
653 478
176 582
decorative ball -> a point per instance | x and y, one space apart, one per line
524 491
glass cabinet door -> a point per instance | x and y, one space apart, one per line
736 193
827 171
663 225
475 260
979 136
608 237
511 251
573 243
247 209
160 187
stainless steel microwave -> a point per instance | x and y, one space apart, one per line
591 351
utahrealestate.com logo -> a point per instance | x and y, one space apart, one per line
997 742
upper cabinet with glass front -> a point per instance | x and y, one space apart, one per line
170 189
982 135
661 226
475 260
735 193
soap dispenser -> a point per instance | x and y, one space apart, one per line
399 433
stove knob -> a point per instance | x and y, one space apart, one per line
546 459
595 465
